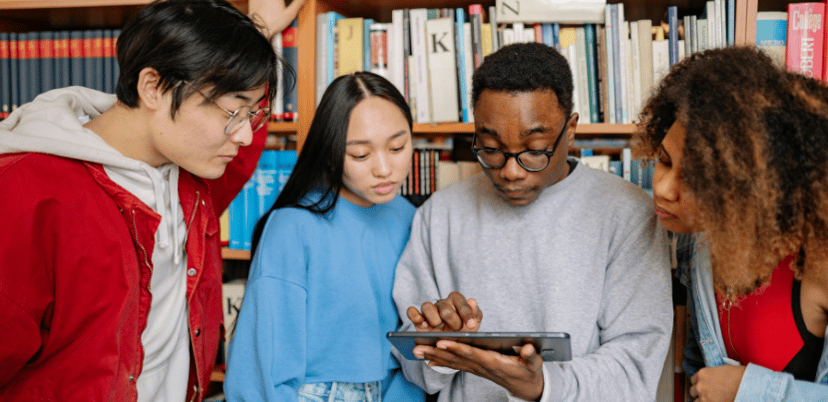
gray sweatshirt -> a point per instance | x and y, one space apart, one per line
588 258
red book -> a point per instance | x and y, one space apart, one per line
805 42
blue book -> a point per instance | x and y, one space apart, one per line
616 62
47 61
731 22
24 66
592 82
616 168
98 59
88 59
672 20
331 60
115 68
243 210
109 84
14 73
64 74
235 218
289 53
265 177
547 37
462 85
285 164
5 78
76 58
366 44
556 35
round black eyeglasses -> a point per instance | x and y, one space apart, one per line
529 159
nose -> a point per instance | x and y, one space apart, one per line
244 135
666 184
512 170
382 165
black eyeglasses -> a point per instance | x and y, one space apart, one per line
529 159
239 117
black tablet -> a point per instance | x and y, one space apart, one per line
552 346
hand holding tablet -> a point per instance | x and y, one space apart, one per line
551 346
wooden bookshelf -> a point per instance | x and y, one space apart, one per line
234 254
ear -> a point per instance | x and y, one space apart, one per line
573 125
150 94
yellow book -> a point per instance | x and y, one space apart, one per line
349 45
224 223
486 36
567 37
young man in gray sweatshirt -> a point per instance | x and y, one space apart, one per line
539 242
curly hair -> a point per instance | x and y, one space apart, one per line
524 67
755 159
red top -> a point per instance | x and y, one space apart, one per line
766 327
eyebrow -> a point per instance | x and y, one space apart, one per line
524 134
248 100
366 142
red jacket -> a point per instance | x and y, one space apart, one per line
75 269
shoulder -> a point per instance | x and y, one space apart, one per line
34 173
612 191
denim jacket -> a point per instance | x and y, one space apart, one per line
705 347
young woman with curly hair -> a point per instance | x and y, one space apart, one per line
742 176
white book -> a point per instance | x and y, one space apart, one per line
645 44
442 70
661 60
508 36
518 29
710 8
610 76
583 79
572 58
626 160
278 106
378 38
600 162
624 35
396 60
635 50
702 34
418 17
563 11
629 83
529 35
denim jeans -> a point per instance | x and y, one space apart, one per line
340 392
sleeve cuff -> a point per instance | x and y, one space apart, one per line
441 369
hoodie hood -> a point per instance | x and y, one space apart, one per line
53 124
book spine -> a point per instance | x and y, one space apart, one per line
24 68
366 44
108 54
419 54
476 19
14 74
76 55
290 54
5 79
496 45
115 67
442 69
47 61
672 18
592 82
460 47
805 38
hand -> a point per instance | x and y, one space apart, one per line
453 313
521 375
273 14
716 384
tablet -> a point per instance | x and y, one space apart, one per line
552 346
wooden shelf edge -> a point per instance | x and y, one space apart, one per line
217 375
234 254
468 128
282 127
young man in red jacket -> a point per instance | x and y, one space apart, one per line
110 260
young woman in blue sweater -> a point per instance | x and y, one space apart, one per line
318 300
741 172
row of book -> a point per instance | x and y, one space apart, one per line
796 38
258 195
36 62
430 54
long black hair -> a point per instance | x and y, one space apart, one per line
320 165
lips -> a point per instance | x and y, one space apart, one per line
662 213
384 188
